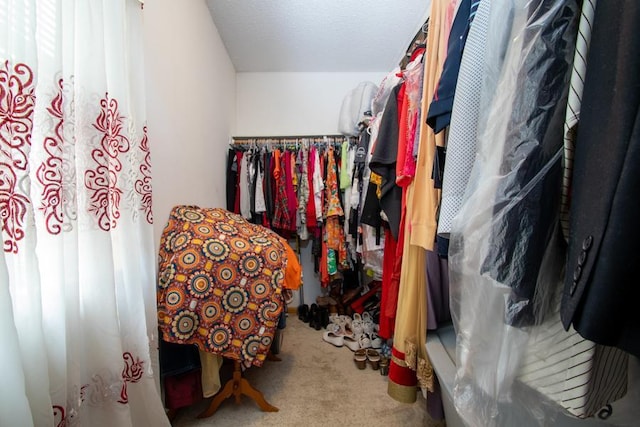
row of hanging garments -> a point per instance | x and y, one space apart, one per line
462 194
473 171
470 175
303 187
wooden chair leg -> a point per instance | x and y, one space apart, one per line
236 387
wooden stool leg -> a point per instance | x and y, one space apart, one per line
237 387
248 390
220 397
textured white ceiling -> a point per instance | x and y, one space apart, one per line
317 35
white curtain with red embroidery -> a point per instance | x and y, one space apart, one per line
77 270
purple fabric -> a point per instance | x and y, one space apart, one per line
438 312
434 402
437 290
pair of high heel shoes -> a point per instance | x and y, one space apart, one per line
364 355
317 317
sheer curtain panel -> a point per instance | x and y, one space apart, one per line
77 270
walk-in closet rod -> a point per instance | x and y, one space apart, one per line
246 138
287 141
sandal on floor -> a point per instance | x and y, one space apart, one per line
351 342
334 318
356 326
346 320
374 358
376 341
366 317
368 325
364 341
360 358
334 335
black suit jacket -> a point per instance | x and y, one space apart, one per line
602 284
522 226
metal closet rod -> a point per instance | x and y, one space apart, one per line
264 139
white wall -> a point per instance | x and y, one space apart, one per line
191 98
281 104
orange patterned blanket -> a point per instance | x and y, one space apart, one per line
220 283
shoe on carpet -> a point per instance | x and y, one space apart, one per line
334 335
384 366
357 342
360 358
314 316
374 358
351 342
303 313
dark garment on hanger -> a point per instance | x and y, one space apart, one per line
528 196
353 223
439 115
362 148
316 248
254 161
438 166
602 284
370 209
383 162
359 166
442 244
236 203
232 179
268 185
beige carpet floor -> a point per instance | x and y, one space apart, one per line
315 384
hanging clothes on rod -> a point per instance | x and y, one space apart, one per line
290 142
290 184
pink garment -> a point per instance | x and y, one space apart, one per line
403 108
414 80
311 205
410 161
449 16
